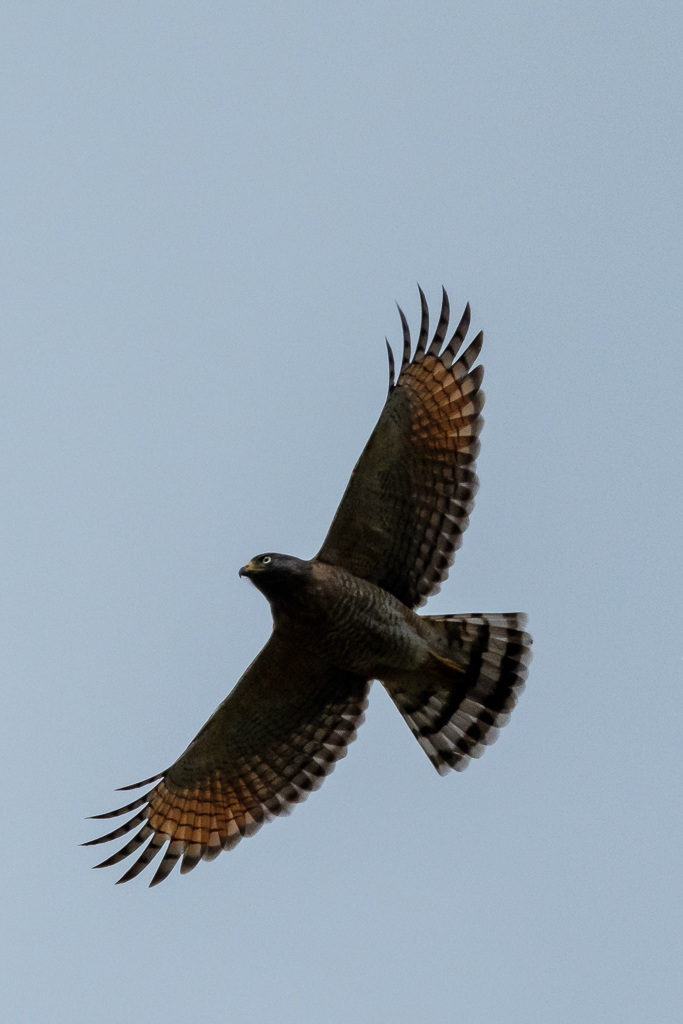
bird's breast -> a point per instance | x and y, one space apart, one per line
353 624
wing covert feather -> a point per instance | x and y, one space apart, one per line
266 747
409 498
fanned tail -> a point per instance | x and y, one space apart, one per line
455 715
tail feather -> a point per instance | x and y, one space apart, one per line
455 715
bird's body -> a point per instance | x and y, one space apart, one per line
349 623
347 617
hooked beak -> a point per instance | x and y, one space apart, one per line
248 569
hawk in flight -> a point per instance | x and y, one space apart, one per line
347 617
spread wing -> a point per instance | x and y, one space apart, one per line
269 744
408 501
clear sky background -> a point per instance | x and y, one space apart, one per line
208 210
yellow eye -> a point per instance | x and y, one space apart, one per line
266 559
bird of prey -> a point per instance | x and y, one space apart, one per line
345 618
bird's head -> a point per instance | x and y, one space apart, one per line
276 575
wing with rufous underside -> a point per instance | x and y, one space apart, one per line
409 498
269 744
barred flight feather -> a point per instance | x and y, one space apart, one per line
200 821
380 530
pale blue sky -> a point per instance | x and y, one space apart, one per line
208 210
